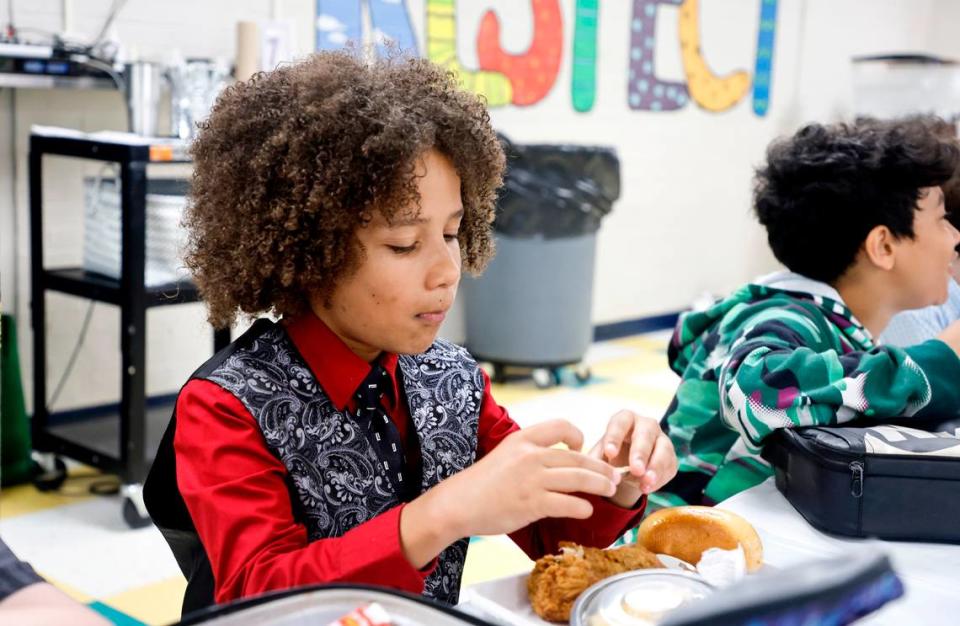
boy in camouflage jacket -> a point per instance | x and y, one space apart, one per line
857 216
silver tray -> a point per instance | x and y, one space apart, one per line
605 597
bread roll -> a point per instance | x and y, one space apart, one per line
685 532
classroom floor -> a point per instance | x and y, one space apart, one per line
80 542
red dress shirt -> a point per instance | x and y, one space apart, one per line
235 490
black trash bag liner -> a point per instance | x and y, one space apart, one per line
556 190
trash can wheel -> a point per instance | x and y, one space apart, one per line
51 473
582 373
132 515
546 377
496 372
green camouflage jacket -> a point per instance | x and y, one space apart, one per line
779 353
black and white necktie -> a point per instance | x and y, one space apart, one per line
380 429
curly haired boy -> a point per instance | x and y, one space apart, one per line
346 443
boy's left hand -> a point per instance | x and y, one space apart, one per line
637 442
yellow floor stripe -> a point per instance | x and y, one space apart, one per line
626 367
24 499
154 604
521 391
494 558
77 595
641 342
647 396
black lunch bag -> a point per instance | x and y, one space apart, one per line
887 481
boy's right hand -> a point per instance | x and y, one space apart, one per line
521 481
525 479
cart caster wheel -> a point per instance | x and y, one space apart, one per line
134 510
499 373
487 368
583 373
132 515
50 478
544 378
557 375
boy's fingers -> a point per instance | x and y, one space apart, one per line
550 433
563 505
663 464
645 433
578 480
648 484
617 429
555 457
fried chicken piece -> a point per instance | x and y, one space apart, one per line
557 580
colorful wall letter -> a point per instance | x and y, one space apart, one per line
532 73
645 92
339 22
763 73
583 84
711 92
442 49
391 24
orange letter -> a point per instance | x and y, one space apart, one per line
442 50
532 73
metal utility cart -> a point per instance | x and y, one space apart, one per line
129 293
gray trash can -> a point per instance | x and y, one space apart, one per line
532 306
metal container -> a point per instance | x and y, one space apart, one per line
144 90
194 86
638 598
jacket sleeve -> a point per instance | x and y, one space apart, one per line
788 370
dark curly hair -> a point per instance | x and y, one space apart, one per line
947 131
825 188
292 162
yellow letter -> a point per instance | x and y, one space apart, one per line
442 50
708 90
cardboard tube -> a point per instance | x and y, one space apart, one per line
248 50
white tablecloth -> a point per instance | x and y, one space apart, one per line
930 572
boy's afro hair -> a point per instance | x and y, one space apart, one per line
825 188
292 162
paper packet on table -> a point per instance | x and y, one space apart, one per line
718 567
372 614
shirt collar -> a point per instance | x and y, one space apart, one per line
791 281
338 370
798 283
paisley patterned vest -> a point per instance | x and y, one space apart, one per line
335 479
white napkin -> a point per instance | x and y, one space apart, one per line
721 568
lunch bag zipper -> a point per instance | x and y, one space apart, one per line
856 480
